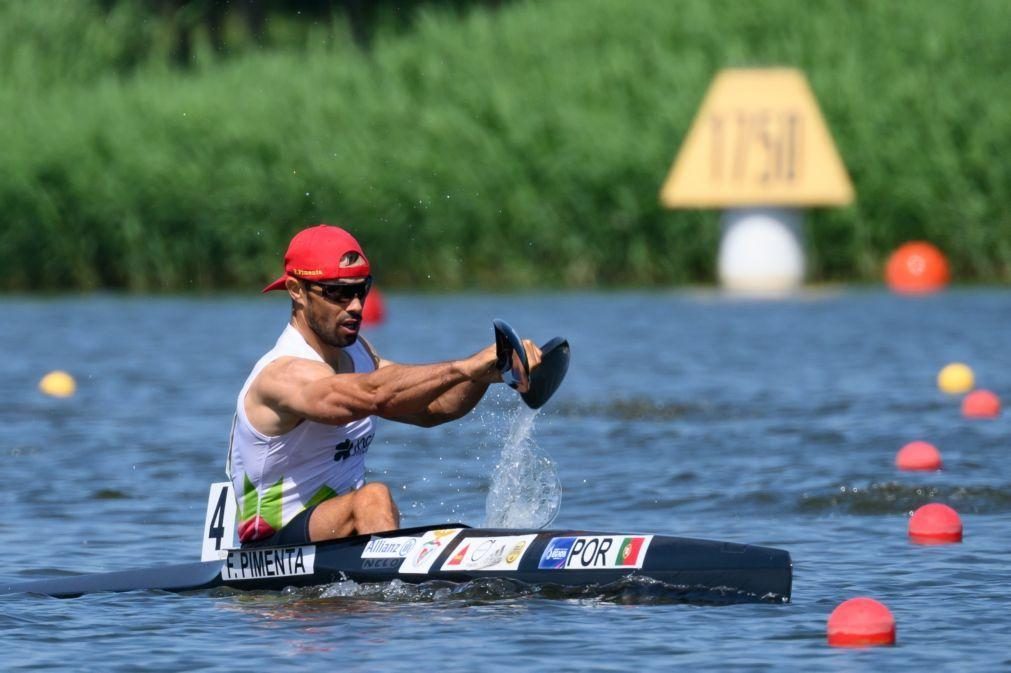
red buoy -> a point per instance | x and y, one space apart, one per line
918 456
916 268
935 524
981 404
860 622
374 311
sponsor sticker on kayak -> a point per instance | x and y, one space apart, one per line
255 564
592 552
489 553
428 548
389 547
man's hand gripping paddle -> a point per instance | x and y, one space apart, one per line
535 387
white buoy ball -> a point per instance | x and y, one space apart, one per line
761 250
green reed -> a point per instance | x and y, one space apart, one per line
517 148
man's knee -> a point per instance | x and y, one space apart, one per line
375 495
374 509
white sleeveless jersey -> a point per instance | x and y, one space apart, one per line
275 478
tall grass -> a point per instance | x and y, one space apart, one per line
518 148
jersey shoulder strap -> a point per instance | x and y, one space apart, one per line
370 350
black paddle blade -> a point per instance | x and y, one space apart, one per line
511 357
548 375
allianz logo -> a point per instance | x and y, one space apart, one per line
389 547
352 448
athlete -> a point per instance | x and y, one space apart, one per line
304 417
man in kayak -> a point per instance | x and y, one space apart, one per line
303 420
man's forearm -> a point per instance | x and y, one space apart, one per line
451 405
410 389
442 390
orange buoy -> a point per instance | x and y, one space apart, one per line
935 524
860 622
918 456
374 311
981 404
917 268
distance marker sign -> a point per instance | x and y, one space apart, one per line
759 139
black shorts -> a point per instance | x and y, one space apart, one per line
296 533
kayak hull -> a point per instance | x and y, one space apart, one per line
722 571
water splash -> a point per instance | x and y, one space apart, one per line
525 491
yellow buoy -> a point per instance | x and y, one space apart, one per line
955 379
58 384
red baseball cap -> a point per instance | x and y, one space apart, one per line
315 254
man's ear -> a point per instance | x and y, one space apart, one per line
295 289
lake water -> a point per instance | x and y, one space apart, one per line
689 414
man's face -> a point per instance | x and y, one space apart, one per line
333 309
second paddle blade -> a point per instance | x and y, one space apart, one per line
549 374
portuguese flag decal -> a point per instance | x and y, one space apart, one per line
628 552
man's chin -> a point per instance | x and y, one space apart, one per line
340 339
348 334
343 338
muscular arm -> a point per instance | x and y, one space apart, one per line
457 400
290 389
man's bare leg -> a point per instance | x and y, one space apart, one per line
370 509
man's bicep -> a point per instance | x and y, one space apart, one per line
311 390
282 385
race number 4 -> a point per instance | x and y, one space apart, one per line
219 523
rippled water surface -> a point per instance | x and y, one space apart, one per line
773 423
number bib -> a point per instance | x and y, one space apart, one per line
219 524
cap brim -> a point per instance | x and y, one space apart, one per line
277 284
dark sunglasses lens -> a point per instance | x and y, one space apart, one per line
346 293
